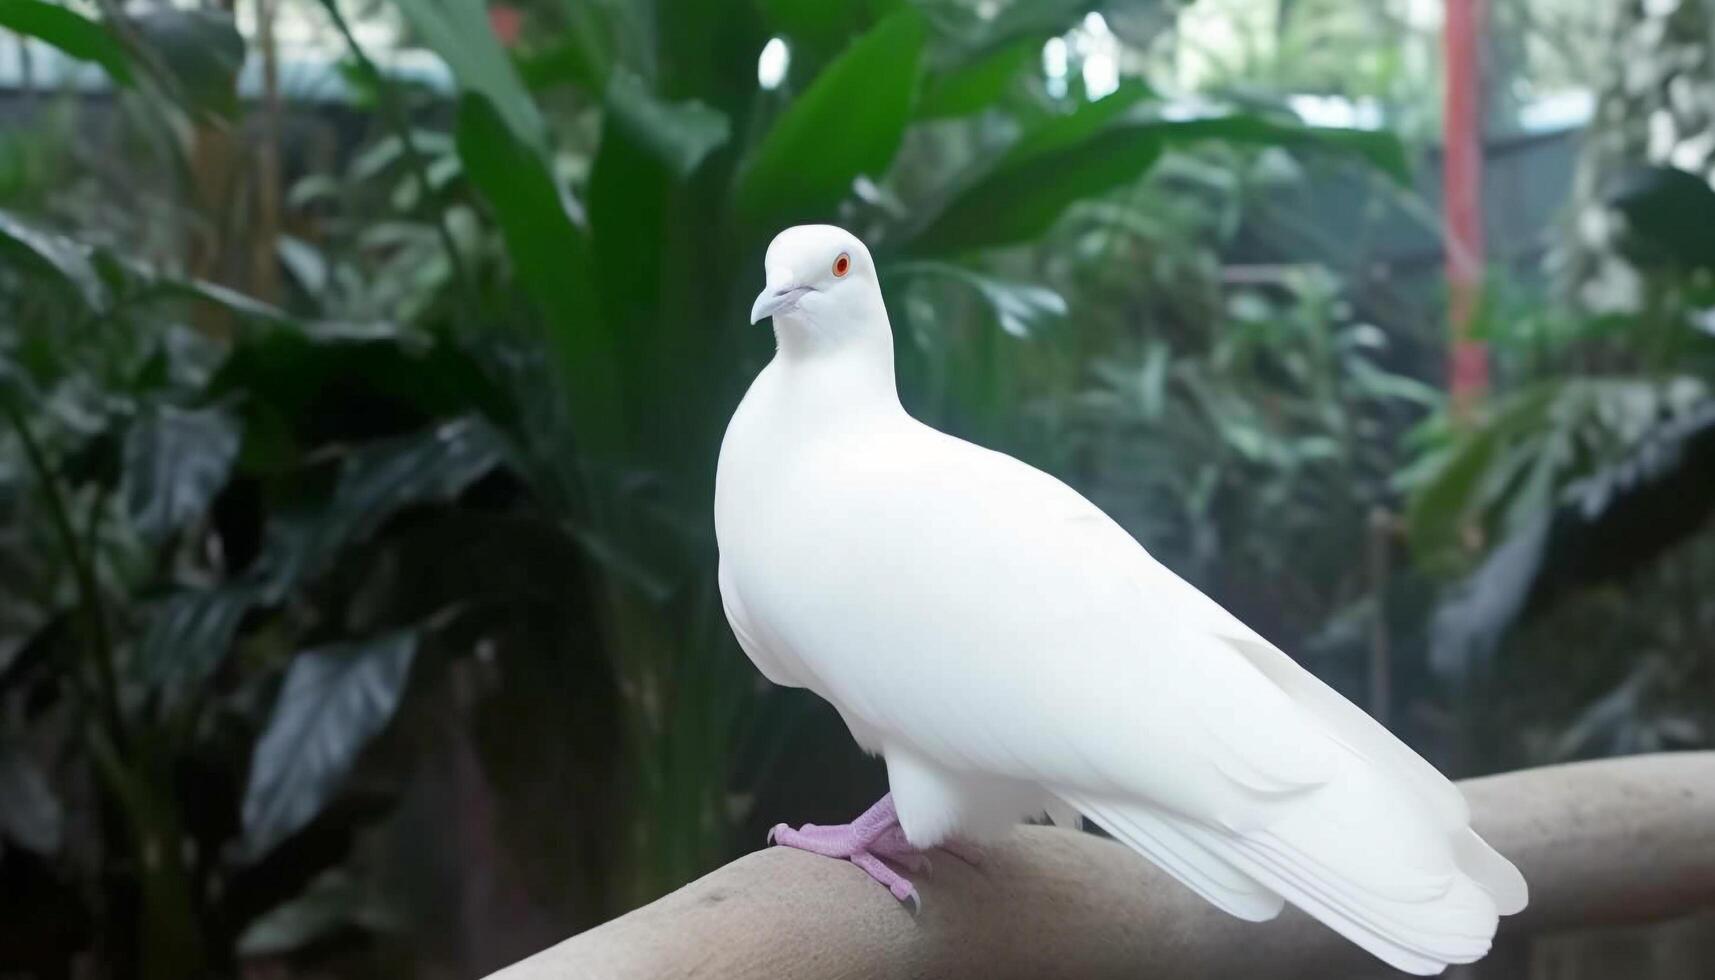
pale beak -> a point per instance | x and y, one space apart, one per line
776 298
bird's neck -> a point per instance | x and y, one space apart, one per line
839 367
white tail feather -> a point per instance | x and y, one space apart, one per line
1356 854
1163 839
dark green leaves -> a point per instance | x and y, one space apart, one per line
70 32
374 483
551 257
678 134
334 701
1074 128
434 465
1099 147
99 279
848 122
62 260
1491 482
333 901
1669 214
175 461
638 193
1021 200
30 815
188 635
1379 149
1604 527
978 85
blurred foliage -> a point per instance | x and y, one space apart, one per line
1582 492
359 605
182 515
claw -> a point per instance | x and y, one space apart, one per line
869 842
915 902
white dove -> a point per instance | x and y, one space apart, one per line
1011 651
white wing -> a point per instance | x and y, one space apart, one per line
978 614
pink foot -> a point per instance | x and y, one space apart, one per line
864 842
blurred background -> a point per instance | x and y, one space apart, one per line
364 365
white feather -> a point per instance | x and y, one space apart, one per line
1010 650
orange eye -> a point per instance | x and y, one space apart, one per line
842 265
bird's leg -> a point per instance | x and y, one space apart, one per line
863 842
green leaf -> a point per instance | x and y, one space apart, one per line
1447 501
552 258
30 814
1019 201
1384 385
54 255
630 194
175 461
1603 528
459 32
1069 130
334 900
639 197
139 281
848 123
1097 149
230 300
70 32
334 701
1381 150
389 151
678 134
189 634
1668 213
202 51
438 464
375 482
973 87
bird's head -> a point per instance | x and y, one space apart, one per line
820 277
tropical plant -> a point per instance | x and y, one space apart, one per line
226 564
512 331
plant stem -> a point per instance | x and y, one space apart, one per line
264 270
82 568
170 941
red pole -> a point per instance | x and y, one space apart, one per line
1462 197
